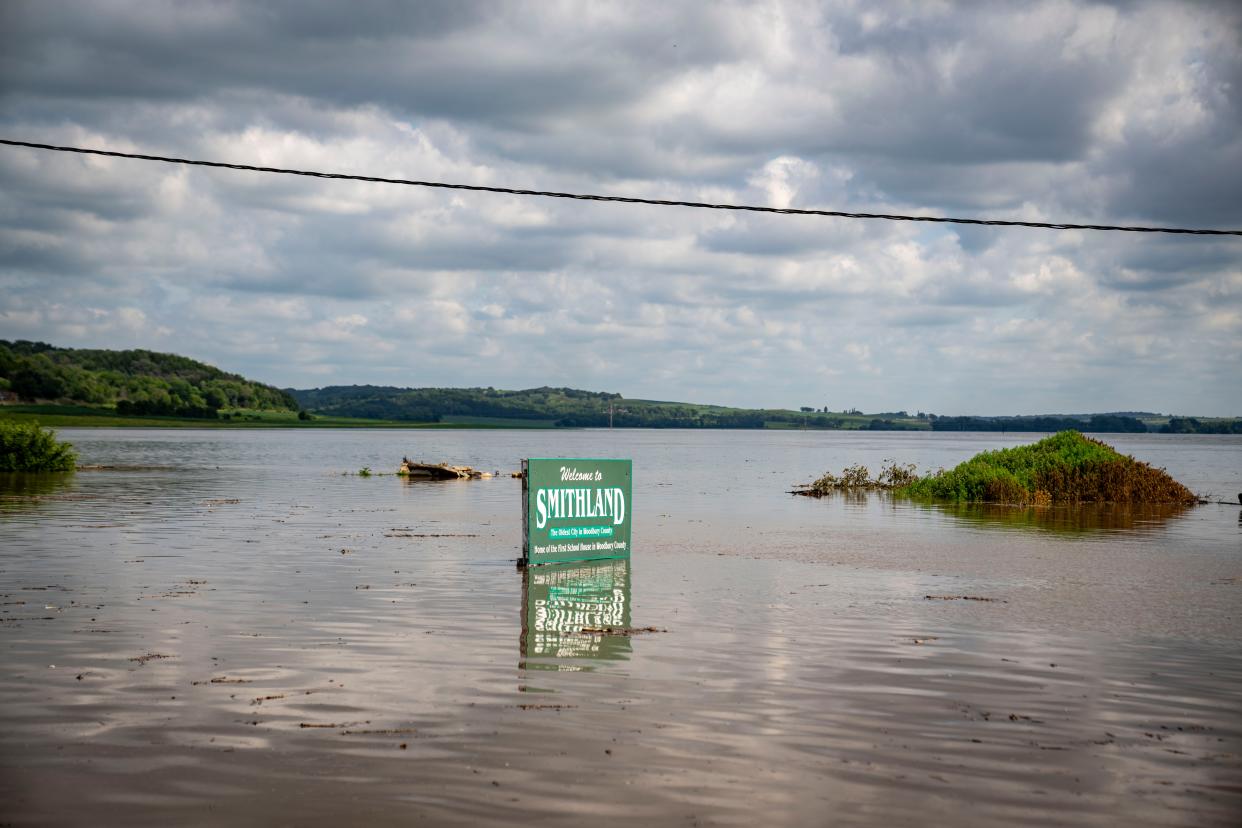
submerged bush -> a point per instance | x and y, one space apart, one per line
1064 468
27 447
858 478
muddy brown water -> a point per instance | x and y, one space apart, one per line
235 633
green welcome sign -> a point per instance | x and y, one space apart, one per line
575 509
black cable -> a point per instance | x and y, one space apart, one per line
790 211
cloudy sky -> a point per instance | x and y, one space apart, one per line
1061 111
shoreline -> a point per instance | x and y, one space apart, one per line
120 422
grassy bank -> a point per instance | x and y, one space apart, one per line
1064 468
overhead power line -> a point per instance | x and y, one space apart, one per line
750 208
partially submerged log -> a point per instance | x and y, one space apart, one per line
439 471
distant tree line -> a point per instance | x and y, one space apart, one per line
136 382
574 408
1190 425
565 407
568 407
170 408
649 416
886 424
1109 423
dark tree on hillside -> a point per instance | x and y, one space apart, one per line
30 383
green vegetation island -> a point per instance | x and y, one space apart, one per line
1066 468
137 388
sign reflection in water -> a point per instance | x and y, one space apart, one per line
563 605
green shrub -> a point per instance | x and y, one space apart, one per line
24 446
1064 468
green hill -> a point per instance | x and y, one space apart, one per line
79 386
137 382
567 408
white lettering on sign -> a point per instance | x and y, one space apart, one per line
573 475
561 504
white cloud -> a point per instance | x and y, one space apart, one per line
1053 110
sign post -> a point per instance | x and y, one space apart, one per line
575 509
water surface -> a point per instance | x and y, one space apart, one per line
239 633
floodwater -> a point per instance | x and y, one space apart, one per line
231 631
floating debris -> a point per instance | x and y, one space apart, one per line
624 631
963 598
545 706
330 725
858 478
222 680
440 471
